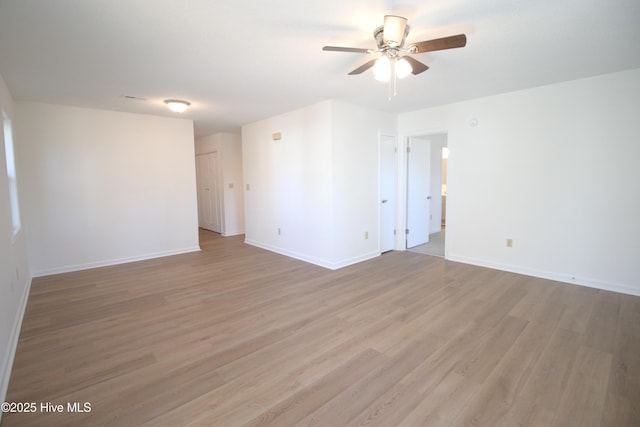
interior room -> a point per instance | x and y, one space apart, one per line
223 213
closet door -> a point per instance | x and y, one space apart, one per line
207 177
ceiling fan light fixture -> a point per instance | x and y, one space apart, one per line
403 68
394 30
382 69
177 105
394 61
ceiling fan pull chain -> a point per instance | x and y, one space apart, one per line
395 78
392 78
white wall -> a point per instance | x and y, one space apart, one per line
290 184
229 149
317 185
355 161
104 187
15 279
555 168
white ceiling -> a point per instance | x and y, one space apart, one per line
238 61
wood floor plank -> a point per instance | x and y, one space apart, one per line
486 355
392 407
296 407
582 402
440 406
622 406
504 386
547 382
392 403
601 329
234 335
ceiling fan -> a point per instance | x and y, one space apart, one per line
393 58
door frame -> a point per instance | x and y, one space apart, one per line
394 203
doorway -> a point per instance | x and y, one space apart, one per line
207 179
426 193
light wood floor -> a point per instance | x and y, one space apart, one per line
235 336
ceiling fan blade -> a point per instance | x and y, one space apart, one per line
394 29
364 67
346 49
417 67
450 42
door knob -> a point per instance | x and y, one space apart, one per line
428 197
385 201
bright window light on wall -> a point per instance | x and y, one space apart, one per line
11 173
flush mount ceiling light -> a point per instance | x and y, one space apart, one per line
176 105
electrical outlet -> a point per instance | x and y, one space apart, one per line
509 243
279 232
366 235
248 187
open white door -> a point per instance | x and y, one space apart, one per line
418 189
387 185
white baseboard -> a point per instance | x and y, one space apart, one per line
106 263
559 277
312 260
233 233
10 351
355 260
